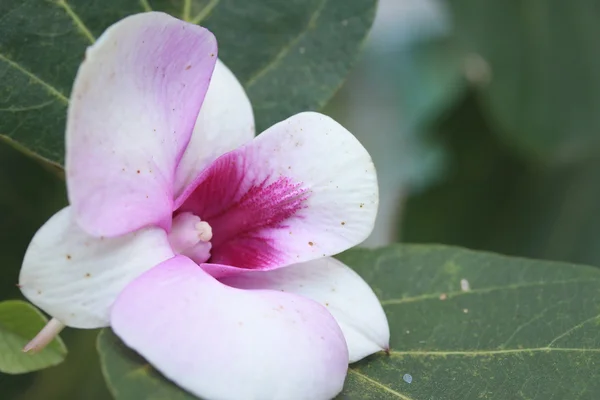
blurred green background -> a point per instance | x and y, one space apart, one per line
481 116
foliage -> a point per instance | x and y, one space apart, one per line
19 322
297 69
525 329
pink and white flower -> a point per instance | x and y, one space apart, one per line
206 249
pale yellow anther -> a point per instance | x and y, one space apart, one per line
204 230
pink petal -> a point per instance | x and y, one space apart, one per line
304 189
225 122
76 277
337 287
219 342
134 103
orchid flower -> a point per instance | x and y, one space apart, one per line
206 250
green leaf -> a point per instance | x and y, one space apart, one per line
554 212
526 329
544 70
19 323
129 376
290 56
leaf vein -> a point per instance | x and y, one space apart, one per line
378 384
286 49
185 14
76 20
49 88
531 320
475 353
205 12
15 109
571 330
449 295
145 5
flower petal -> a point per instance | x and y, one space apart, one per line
76 277
225 122
304 189
219 342
135 99
341 290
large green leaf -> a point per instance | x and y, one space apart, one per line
494 200
544 70
78 377
289 55
19 322
526 329
129 376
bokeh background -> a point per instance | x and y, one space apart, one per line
483 120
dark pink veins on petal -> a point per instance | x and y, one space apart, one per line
249 209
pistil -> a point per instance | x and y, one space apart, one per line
190 236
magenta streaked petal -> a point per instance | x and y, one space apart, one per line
76 277
304 189
219 342
134 103
334 285
246 211
225 122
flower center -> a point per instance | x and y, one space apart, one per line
190 236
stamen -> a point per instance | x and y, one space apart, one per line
183 233
204 231
190 236
46 335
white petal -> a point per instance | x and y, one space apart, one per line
75 277
131 114
302 190
341 290
224 343
225 122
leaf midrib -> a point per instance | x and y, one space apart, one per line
450 295
483 353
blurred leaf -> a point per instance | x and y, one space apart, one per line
129 376
526 329
543 67
474 199
429 77
29 195
19 323
79 377
290 56
492 199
